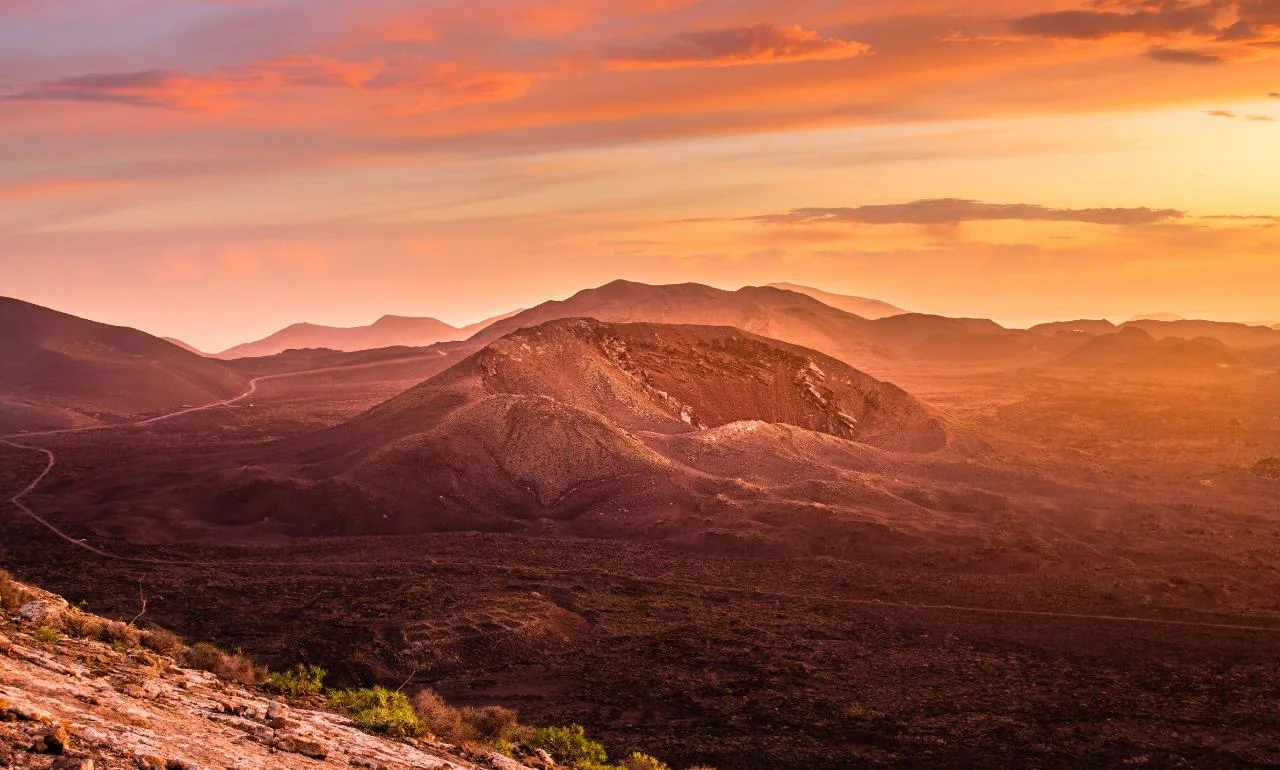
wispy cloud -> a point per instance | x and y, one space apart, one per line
1147 19
758 44
1183 56
142 88
950 211
1252 117
424 82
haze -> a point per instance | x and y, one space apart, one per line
215 170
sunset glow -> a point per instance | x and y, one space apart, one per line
216 169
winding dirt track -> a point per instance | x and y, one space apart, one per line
19 501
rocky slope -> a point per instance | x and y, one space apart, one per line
74 704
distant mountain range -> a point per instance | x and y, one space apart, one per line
867 308
1157 317
59 370
388 331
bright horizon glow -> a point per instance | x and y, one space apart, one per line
215 171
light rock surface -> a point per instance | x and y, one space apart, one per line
86 706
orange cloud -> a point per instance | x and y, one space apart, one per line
1225 25
141 88
429 84
759 44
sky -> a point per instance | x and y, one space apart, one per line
214 170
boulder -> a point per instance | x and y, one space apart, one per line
41 613
277 715
309 747
56 741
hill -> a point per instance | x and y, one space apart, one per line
388 331
1236 335
882 346
1132 349
1085 326
575 425
60 370
184 346
860 306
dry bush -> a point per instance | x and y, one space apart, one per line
162 641
493 724
12 595
232 667
82 625
201 656
121 635
236 667
440 718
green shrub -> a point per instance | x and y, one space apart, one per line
302 679
162 641
46 635
639 761
378 710
570 746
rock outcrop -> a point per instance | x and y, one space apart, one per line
74 704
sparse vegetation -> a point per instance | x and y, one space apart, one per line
163 641
234 667
46 635
571 746
639 761
302 679
121 636
494 725
12 595
378 710
82 625
441 719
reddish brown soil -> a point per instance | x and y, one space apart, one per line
996 612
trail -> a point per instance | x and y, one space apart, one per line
19 500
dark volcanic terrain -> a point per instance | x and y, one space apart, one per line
575 426
726 549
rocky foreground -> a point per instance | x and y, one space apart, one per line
75 704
